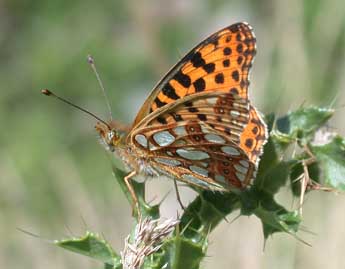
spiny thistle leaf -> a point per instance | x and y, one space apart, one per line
302 123
179 252
93 246
331 159
274 217
205 212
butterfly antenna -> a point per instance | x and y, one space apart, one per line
49 93
91 61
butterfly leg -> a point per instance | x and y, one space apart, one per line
135 204
178 197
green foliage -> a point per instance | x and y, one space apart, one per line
93 246
187 245
331 160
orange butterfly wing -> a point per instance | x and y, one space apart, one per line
254 136
198 125
219 63
199 142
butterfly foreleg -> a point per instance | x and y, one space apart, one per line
135 202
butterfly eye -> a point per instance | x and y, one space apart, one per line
113 137
111 134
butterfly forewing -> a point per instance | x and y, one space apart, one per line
219 63
223 112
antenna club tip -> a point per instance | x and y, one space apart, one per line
90 59
46 92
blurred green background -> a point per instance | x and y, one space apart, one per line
55 178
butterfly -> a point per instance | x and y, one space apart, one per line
198 125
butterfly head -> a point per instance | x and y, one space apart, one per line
111 134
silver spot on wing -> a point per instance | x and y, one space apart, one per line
234 113
141 139
214 138
241 169
231 151
163 138
196 181
169 162
180 130
192 154
199 170
240 176
220 178
212 100
244 163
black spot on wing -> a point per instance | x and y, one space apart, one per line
219 78
202 117
234 90
197 60
183 79
239 48
235 75
199 85
238 37
177 117
169 91
227 51
249 143
162 120
209 68
193 109
226 63
239 60
159 103
255 130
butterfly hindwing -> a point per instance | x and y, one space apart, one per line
195 151
254 136
199 140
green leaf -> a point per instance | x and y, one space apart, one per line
93 246
269 158
281 140
272 172
273 178
205 212
331 160
179 253
278 221
274 217
303 122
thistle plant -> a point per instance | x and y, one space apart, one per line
301 154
